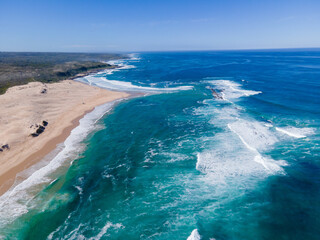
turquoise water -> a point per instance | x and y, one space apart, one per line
177 161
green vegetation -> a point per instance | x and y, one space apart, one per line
21 68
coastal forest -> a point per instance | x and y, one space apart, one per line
17 68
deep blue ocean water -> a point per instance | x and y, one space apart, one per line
177 163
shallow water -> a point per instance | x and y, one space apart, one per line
178 163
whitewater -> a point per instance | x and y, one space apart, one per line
174 162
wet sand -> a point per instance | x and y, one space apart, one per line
23 110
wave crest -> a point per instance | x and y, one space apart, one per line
194 235
232 90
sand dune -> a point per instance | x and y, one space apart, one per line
22 107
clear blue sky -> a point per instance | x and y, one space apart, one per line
137 25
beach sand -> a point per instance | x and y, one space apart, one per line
62 105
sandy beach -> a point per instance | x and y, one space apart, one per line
24 109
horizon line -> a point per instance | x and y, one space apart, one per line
190 50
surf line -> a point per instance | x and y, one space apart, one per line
258 158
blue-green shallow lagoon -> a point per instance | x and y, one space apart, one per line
162 165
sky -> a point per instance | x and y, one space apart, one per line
154 25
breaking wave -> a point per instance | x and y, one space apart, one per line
239 150
101 80
256 137
231 90
194 235
296 132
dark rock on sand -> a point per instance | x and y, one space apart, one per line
6 146
40 129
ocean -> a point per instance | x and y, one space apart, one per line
177 163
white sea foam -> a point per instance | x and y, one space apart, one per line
253 133
232 90
229 158
223 164
120 66
101 80
78 232
225 161
18 200
104 230
257 137
194 235
134 56
296 132
127 86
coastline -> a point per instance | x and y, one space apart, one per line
25 105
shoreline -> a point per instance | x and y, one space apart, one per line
27 151
8 178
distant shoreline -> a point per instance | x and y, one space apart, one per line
19 68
